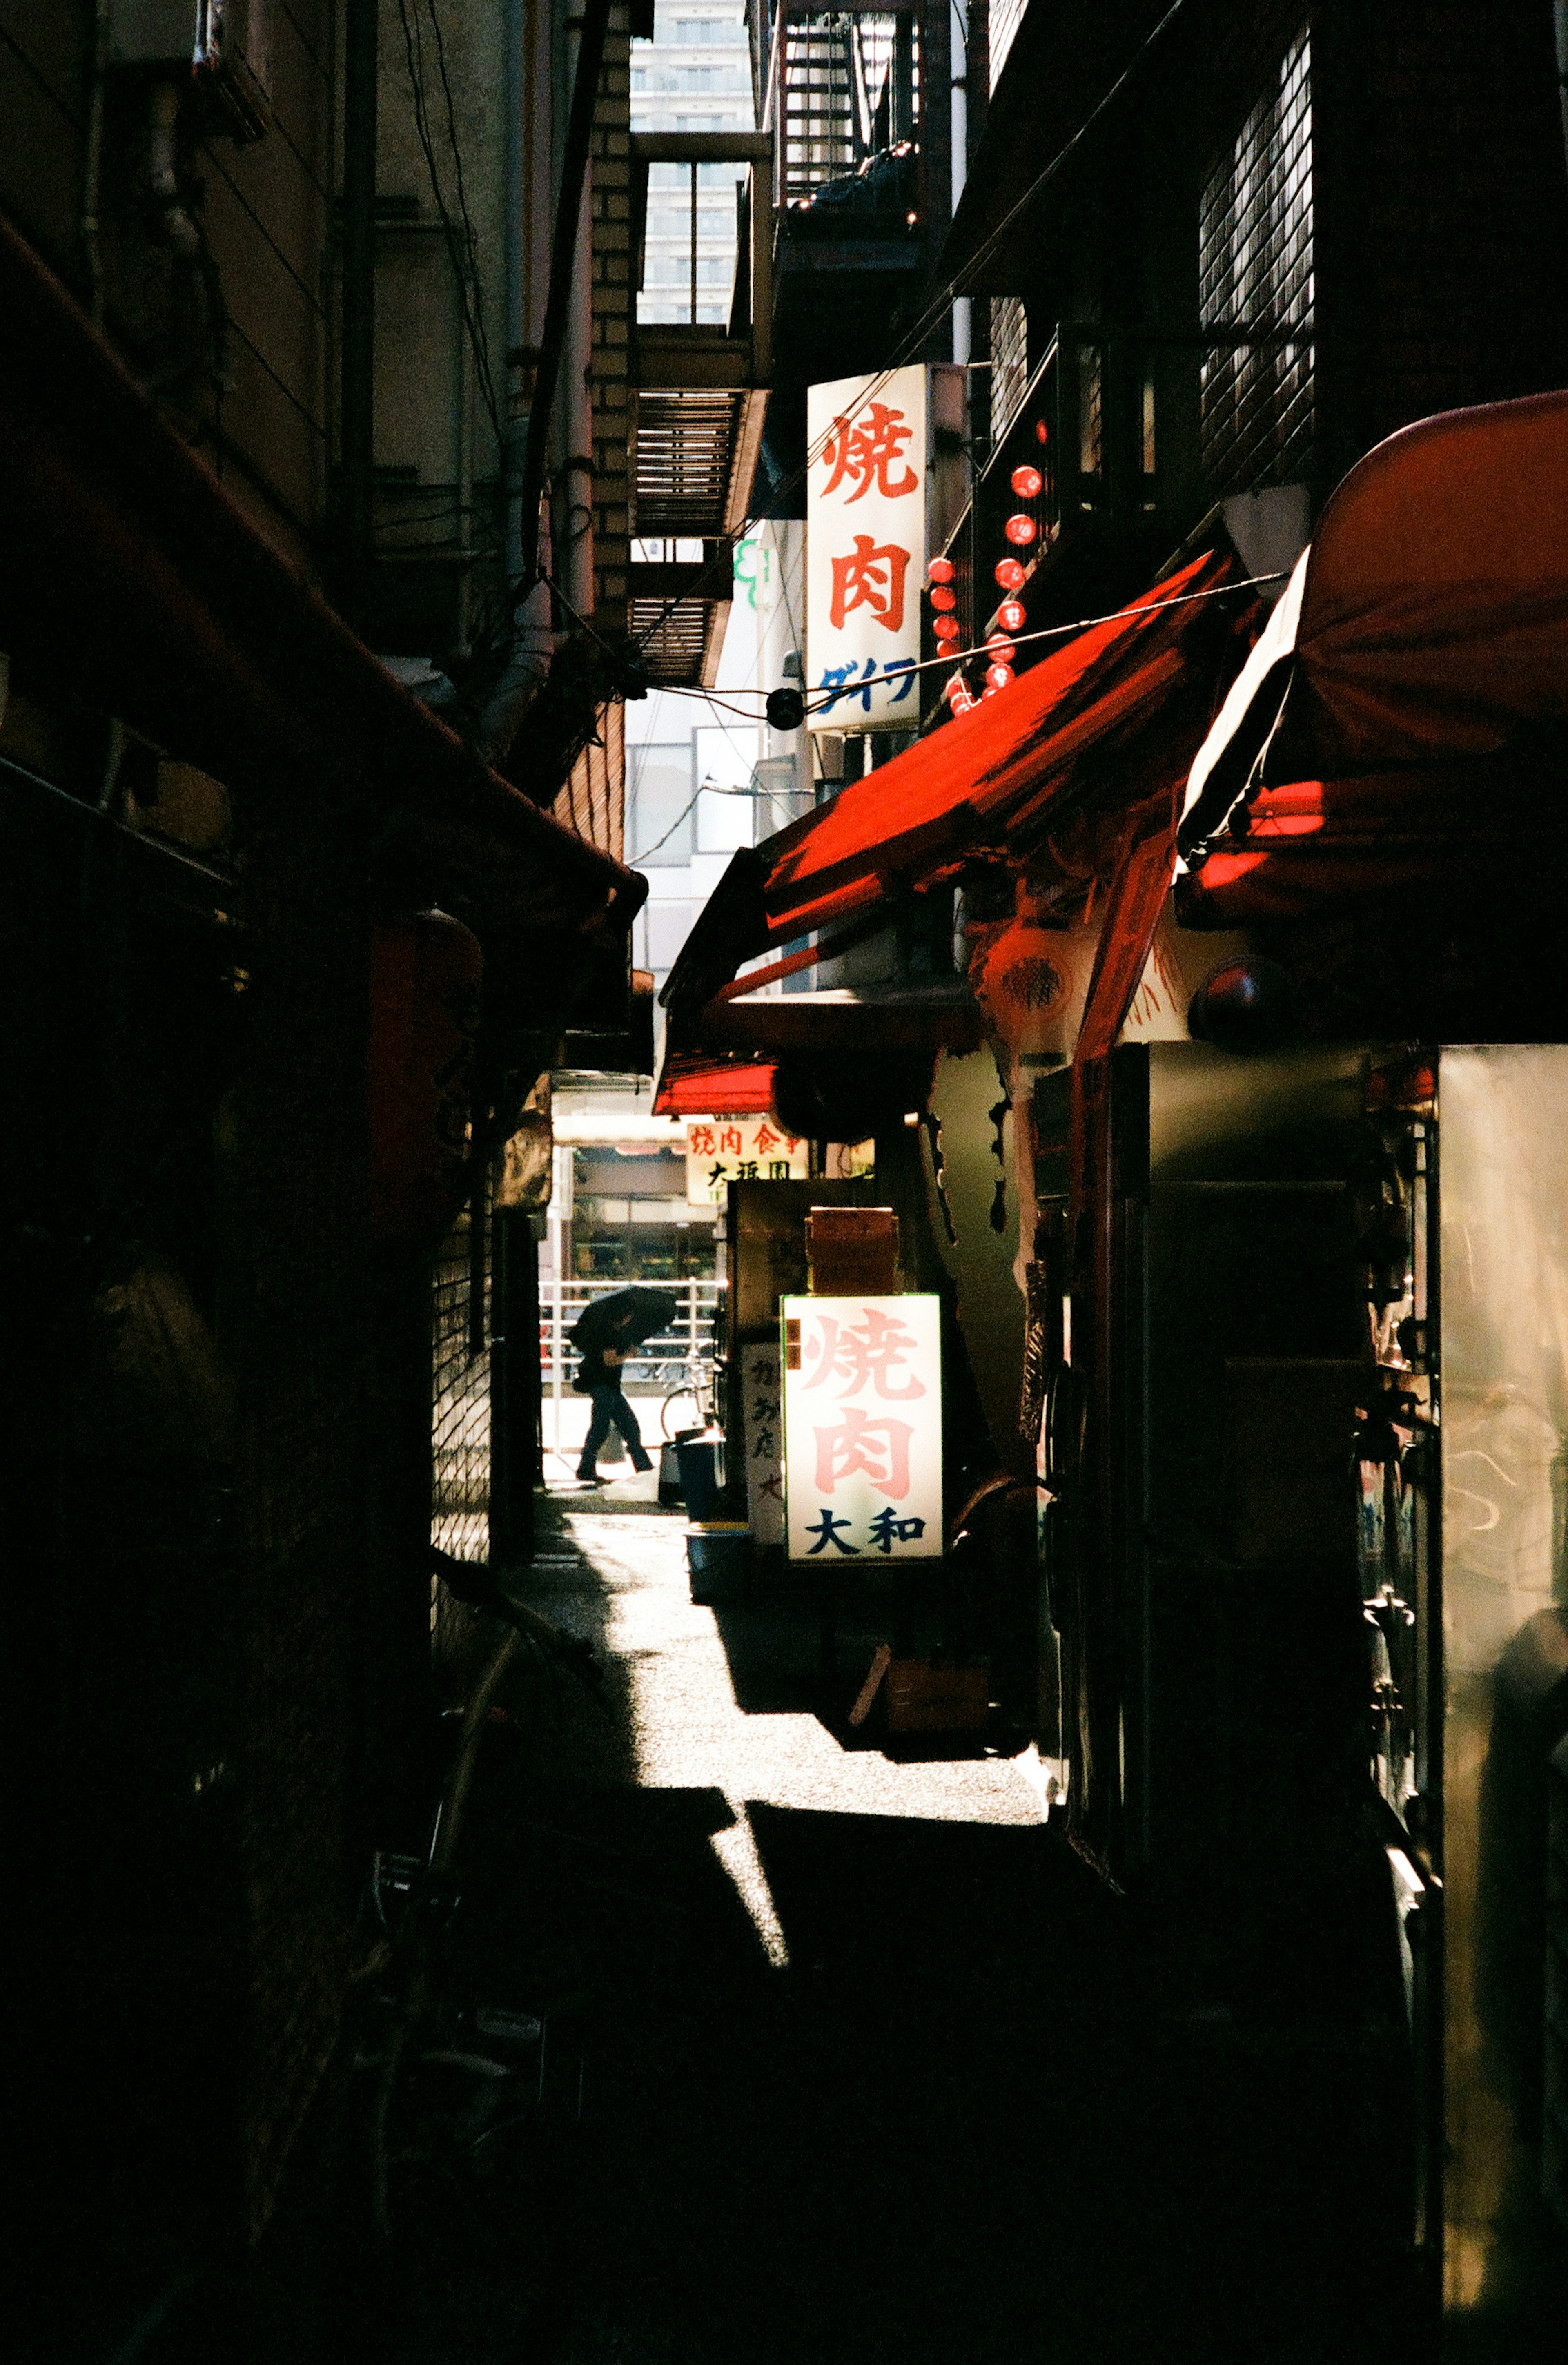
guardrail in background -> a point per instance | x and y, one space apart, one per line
661 1362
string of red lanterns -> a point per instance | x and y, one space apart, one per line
1027 483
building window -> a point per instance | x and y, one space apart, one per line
1255 266
1009 362
660 830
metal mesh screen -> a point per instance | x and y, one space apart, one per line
1256 272
1009 363
460 1417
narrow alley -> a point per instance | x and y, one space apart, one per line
784 1243
873 2068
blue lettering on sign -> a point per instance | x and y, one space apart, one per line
887 1528
826 1532
845 683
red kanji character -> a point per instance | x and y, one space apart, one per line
765 1138
863 1357
699 1140
871 576
867 449
730 1140
874 1444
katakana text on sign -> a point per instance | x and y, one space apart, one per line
862 1381
864 533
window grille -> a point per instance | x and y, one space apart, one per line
1256 278
1091 410
1006 16
1009 363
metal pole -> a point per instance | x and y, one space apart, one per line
357 443
694 246
555 1357
963 324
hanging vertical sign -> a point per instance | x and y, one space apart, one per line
862 1429
866 549
762 1410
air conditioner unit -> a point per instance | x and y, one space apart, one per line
220 44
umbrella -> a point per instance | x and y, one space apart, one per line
625 1317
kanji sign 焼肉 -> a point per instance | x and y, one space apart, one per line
724 1149
865 549
862 1429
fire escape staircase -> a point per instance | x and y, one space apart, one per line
700 399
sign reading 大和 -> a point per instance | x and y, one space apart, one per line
724 1149
862 1429
865 549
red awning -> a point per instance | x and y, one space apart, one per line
1452 829
696 1083
990 775
1429 621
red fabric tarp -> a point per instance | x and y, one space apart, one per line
1429 623
981 778
1448 827
1435 615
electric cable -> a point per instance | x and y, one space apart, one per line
960 658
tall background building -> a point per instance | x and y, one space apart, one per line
704 778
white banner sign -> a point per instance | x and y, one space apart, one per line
865 548
863 1428
724 1149
762 1420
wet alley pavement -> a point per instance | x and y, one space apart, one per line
874 2068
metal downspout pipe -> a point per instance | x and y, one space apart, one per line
532 641
565 340
958 36
576 526
356 446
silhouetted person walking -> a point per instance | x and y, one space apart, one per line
599 1376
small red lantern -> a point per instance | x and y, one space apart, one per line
1001 648
943 601
1026 483
1020 530
1009 574
996 677
1042 432
946 628
940 570
958 692
1011 616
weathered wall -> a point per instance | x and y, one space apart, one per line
232 346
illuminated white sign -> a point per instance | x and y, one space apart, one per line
865 549
862 1429
724 1149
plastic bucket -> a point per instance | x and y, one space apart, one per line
720 1555
698 1459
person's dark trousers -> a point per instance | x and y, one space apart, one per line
611 1410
